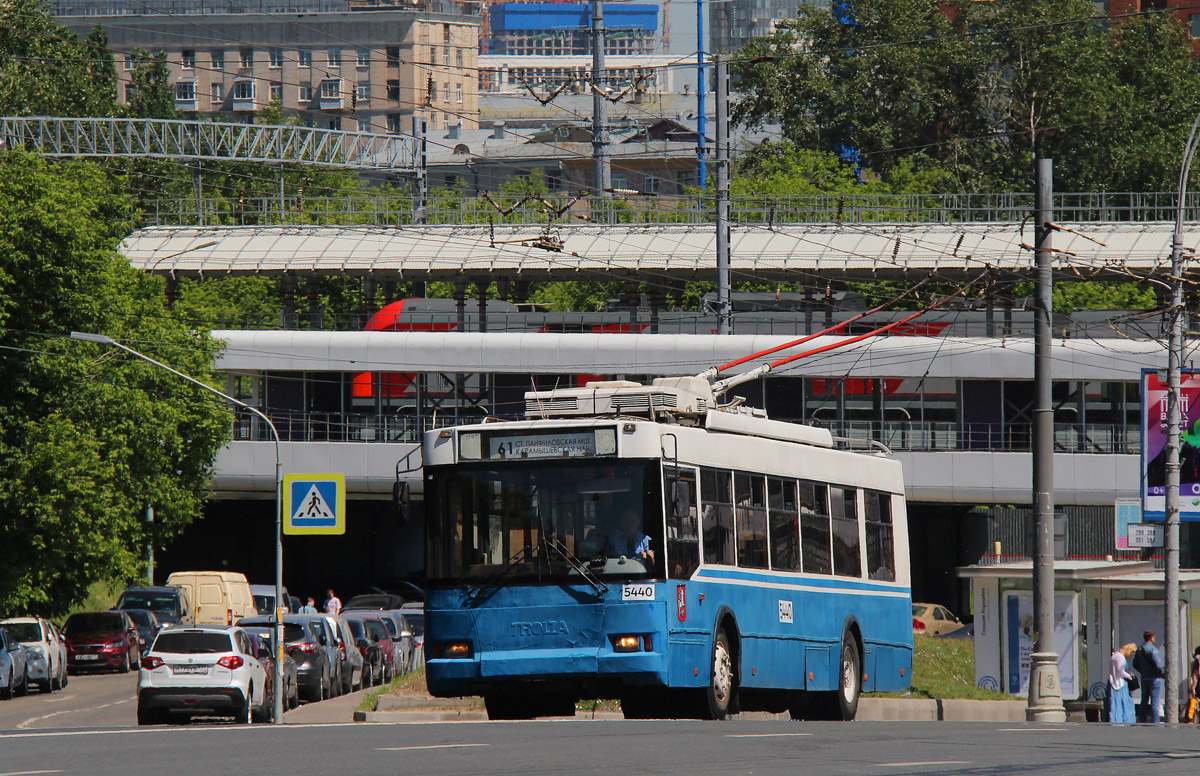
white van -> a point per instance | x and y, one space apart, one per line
217 597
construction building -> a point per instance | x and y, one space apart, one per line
564 29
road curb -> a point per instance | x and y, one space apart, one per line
869 710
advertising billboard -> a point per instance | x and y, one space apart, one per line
1154 445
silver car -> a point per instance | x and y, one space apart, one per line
40 635
14 668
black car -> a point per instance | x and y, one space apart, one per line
169 604
147 625
308 648
374 601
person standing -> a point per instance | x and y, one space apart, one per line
1120 703
1149 665
333 604
1193 713
310 607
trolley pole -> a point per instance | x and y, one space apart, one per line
723 257
1045 692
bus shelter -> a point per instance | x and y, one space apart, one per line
1097 603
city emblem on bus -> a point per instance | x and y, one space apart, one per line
681 601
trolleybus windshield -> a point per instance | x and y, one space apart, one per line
528 519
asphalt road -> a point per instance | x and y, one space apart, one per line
602 748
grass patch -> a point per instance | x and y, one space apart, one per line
371 697
101 595
944 668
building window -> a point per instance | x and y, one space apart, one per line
130 91
304 58
218 59
185 91
335 58
393 56
446 34
243 90
362 90
458 58
188 57
446 56
364 125
335 122
650 183
247 57
433 120
218 92
1194 24
458 93
277 92
306 92
445 91
393 90
307 120
276 57
364 57
331 89
393 123
128 61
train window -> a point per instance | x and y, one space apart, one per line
881 563
784 525
814 528
717 516
683 537
751 521
846 561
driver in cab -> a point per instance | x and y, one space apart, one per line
630 542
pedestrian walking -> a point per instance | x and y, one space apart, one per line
1193 710
1120 702
310 607
333 604
1149 664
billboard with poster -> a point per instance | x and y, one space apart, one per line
1154 445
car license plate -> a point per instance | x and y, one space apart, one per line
87 657
189 669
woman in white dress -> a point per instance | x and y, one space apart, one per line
1120 703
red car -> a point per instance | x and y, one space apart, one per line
101 640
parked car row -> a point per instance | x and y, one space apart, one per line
32 653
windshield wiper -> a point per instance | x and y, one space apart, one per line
574 562
495 580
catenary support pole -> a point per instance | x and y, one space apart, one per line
723 282
1171 499
701 171
421 163
150 544
1045 694
601 173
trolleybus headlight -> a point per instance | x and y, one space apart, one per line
456 649
627 644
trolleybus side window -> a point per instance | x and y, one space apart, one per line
784 525
846 545
751 520
881 562
683 537
717 521
814 528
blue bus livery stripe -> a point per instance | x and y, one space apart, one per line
807 584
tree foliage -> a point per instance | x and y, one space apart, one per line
88 436
974 88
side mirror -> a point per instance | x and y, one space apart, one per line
400 500
406 634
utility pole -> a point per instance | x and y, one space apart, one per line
601 174
701 171
1174 421
149 544
723 291
421 164
1045 693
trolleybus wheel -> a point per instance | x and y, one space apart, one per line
721 685
849 679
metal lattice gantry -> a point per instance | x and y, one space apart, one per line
206 140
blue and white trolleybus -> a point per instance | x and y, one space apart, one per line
648 544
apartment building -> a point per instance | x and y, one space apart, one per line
356 70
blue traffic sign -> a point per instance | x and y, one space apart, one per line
314 503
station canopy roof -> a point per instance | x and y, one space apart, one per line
682 251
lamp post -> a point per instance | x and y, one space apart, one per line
104 339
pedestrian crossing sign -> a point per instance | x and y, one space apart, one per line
314 504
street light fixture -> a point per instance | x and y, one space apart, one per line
104 339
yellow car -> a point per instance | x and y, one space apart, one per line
933 620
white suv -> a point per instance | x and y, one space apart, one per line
40 635
200 671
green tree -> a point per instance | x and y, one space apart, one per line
88 436
152 96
